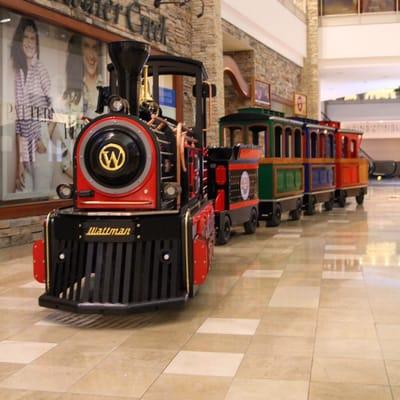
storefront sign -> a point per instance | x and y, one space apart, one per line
112 11
300 105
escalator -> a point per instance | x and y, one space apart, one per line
381 168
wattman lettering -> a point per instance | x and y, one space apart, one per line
96 231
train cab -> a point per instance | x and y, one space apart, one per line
233 187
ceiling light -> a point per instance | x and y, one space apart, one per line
5 20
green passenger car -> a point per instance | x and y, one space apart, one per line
281 171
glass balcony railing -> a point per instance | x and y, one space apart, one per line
340 7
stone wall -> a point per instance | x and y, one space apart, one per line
310 76
266 65
20 231
186 35
207 45
246 63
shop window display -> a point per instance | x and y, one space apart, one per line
48 87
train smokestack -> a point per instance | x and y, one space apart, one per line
128 58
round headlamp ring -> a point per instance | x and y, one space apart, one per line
115 156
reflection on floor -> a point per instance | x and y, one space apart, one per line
310 310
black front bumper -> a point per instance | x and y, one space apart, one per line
108 308
93 268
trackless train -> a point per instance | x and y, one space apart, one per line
150 199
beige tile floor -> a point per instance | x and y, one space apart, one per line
309 310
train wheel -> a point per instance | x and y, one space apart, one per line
310 207
251 225
296 214
342 199
224 232
328 205
275 219
360 199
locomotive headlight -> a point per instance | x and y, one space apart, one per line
116 104
171 190
65 191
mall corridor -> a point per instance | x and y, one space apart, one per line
310 310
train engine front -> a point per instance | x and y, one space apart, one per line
140 233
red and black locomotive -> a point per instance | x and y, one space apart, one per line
141 230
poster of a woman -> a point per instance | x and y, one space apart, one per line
79 100
32 107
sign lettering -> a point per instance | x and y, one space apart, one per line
111 11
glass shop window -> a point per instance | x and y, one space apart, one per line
298 153
259 136
368 6
314 145
48 93
332 7
278 141
288 142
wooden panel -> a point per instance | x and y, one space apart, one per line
31 209
364 171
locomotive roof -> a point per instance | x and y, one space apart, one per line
352 131
170 65
324 127
256 116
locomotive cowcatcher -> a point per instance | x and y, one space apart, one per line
140 233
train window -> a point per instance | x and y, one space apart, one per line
297 143
278 142
314 145
330 151
322 145
345 143
353 149
259 135
233 135
288 143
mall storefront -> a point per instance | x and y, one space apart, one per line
54 55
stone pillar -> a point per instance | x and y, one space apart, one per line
207 46
310 76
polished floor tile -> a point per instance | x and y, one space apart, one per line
342 275
346 391
43 378
308 310
340 247
262 273
264 389
348 370
205 363
229 326
260 366
214 342
299 297
287 236
348 348
184 387
19 352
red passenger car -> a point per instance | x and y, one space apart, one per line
351 169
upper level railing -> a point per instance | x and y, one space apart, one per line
341 7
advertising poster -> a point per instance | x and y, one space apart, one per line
48 91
